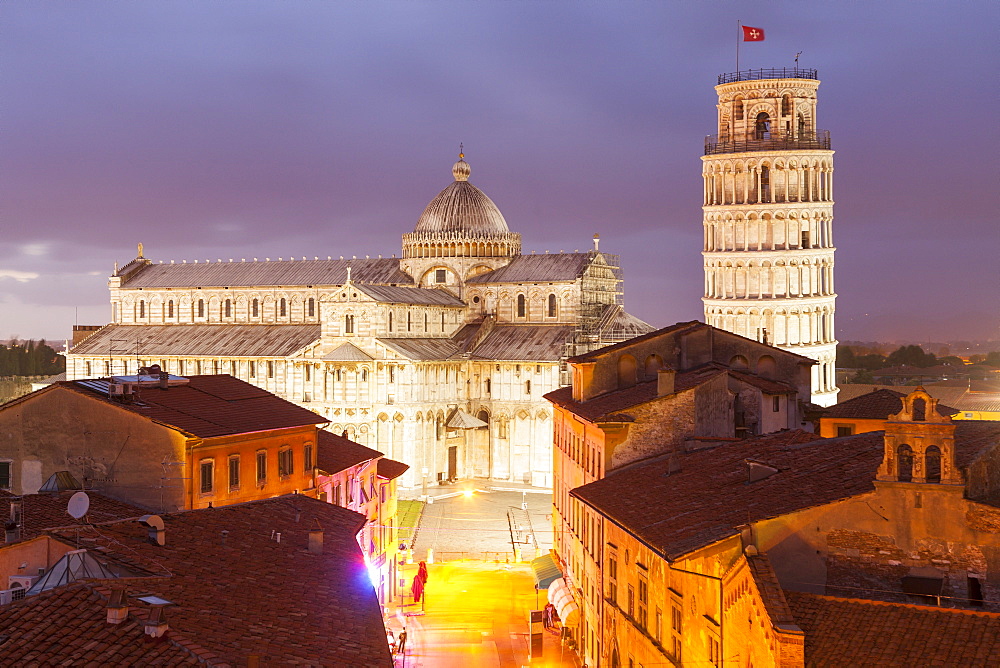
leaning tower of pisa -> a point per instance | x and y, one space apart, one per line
768 216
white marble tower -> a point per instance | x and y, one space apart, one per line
768 216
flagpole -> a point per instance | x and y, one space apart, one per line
739 28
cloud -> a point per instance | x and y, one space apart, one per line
19 276
35 249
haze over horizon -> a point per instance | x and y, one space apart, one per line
266 129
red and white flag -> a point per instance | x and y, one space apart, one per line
753 34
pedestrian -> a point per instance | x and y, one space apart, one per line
401 642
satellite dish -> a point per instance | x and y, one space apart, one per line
78 505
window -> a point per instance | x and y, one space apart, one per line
613 579
643 602
441 276
285 463
427 327
253 369
409 321
201 308
311 307
270 368
282 307
442 322
658 627
520 306
714 651
845 430
207 473
675 630
738 110
348 324
552 306
383 492
5 475
170 308
229 308
392 374
786 105
630 609
805 239
308 372
390 321
338 496
255 308
142 308
527 387
261 466
775 403
307 458
234 472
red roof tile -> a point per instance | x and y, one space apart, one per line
390 469
708 498
47 511
336 453
237 591
877 405
210 406
852 632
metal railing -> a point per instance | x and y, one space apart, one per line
771 141
773 73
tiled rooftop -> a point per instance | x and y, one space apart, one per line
209 406
851 632
389 469
236 340
408 295
335 453
237 591
545 267
878 405
44 511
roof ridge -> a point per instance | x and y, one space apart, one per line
896 604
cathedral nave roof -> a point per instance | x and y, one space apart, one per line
538 268
202 340
392 294
268 273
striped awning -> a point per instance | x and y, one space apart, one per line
561 597
545 570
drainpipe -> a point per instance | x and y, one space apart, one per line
722 636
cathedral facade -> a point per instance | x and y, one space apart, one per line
768 218
438 359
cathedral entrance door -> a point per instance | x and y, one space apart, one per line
452 462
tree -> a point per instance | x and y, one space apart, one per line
912 355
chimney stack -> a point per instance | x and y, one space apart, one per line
665 382
117 607
164 378
155 626
316 542
157 534
15 510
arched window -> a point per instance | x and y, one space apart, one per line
409 321
485 417
520 306
364 376
311 307
652 366
256 308
201 308
170 308
766 366
762 126
904 463
348 324
142 308
229 308
390 321
442 322
739 362
626 371
802 124
552 306
932 464
786 105
919 409
765 183
489 385
282 307
738 110
527 387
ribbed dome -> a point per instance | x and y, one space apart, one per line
462 208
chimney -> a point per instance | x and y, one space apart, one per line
15 510
164 378
157 535
117 607
316 542
665 382
155 625
12 532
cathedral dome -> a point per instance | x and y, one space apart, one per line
462 209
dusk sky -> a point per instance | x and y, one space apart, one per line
209 129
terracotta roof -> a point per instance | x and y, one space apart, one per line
47 511
285 272
600 352
853 632
335 453
207 406
390 469
960 397
770 590
708 497
408 295
605 405
243 592
538 268
68 626
877 405
204 340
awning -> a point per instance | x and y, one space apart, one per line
560 596
462 420
545 570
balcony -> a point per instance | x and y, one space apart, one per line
773 73
769 141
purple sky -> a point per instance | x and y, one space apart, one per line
278 129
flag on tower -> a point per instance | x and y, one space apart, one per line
753 34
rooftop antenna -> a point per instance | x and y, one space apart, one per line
78 505
797 54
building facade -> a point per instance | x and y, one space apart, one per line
768 218
438 359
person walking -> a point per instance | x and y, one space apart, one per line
401 642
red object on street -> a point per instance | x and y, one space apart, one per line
419 580
753 34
